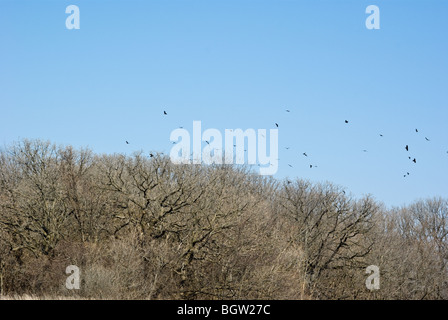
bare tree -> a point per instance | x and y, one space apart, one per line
329 228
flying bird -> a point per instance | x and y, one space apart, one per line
305 154
127 142
151 155
415 161
381 135
276 124
416 130
427 139
311 165
164 112
407 148
346 121
287 110
289 165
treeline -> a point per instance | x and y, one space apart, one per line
140 227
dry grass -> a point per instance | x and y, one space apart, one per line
35 297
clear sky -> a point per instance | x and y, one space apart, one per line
240 64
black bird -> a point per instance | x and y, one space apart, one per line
151 155
415 161
427 139
276 124
381 135
407 173
127 142
346 121
287 111
305 154
311 165
416 130
287 148
364 150
207 142
290 165
164 112
407 148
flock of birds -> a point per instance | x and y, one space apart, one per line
413 159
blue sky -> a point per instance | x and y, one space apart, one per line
240 64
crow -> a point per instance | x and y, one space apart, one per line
415 161
164 112
407 148
427 139
346 121
276 124
305 154
127 142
